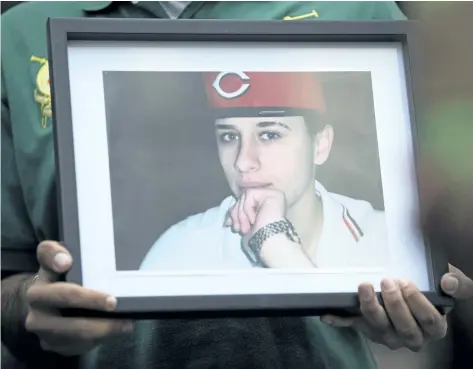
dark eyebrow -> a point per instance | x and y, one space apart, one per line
224 126
272 123
264 124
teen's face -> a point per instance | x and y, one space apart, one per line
278 153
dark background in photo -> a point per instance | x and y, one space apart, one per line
163 155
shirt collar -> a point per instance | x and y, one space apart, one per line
94 6
152 6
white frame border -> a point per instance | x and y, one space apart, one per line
88 59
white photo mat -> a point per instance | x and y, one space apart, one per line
87 60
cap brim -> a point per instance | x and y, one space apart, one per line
261 112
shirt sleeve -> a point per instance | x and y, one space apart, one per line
18 239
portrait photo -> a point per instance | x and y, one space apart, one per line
200 162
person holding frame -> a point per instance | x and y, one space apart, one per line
32 291
272 135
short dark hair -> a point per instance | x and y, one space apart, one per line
315 122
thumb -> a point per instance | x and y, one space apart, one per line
457 284
54 260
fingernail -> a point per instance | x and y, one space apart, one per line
366 294
450 284
62 261
111 303
388 285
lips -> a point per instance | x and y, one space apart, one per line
249 185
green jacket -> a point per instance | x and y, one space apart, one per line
28 187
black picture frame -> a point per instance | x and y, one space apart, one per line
61 31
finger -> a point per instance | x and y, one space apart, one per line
391 340
56 328
457 284
234 216
245 225
250 209
252 204
54 260
338 321
428 317
372 310
67 295
400 315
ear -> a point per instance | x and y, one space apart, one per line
323 145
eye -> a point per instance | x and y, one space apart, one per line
270 136
228 137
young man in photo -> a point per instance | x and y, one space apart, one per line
272 135
34 262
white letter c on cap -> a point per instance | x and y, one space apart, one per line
231 95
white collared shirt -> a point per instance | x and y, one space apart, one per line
353 235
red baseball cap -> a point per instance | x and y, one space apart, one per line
263 93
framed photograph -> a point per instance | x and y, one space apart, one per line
236 167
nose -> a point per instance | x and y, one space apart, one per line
247 158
